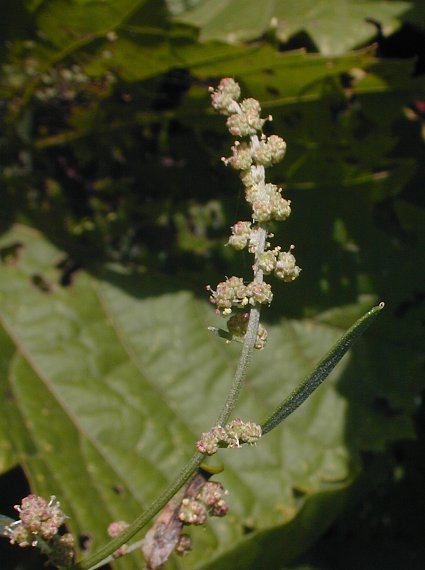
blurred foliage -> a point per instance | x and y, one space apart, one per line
110 153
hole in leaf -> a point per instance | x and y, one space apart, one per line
298 493
84 541
248 528
272 90
68 269
9 254
41 283
382 407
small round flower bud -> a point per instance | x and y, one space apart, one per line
211 495
239 432
210 440
253 176
259 293
286 267
193 512
116 528
277 147
240 235
241 158
248 122
41 517
250 433
20 535
266 261
281 208
262 154
251 105
238 323
184 545
269 151
267 205
229 293
253 240
233 430
224 98
261 339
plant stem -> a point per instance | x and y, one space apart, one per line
99 557
240 374
103 553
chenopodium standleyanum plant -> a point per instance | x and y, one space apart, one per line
192 498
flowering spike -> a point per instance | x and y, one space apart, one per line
251 156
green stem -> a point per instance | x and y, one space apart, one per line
240 374
103 553
322 371
98 557
248 344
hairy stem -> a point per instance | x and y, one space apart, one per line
99 557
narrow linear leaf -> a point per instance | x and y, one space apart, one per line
325 367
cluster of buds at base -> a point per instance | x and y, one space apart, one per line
208 502
61 551
237 326
38 525
233 434
250 157
114 530
184 545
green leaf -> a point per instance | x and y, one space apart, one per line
115 377
322 371
335 26
68 23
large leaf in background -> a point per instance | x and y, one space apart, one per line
82 21
115 376
334 26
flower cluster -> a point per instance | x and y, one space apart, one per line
234 293
237 326
184 545
208 502
38 525
61 552
38 519
250 157
233 434
114 530
281 264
